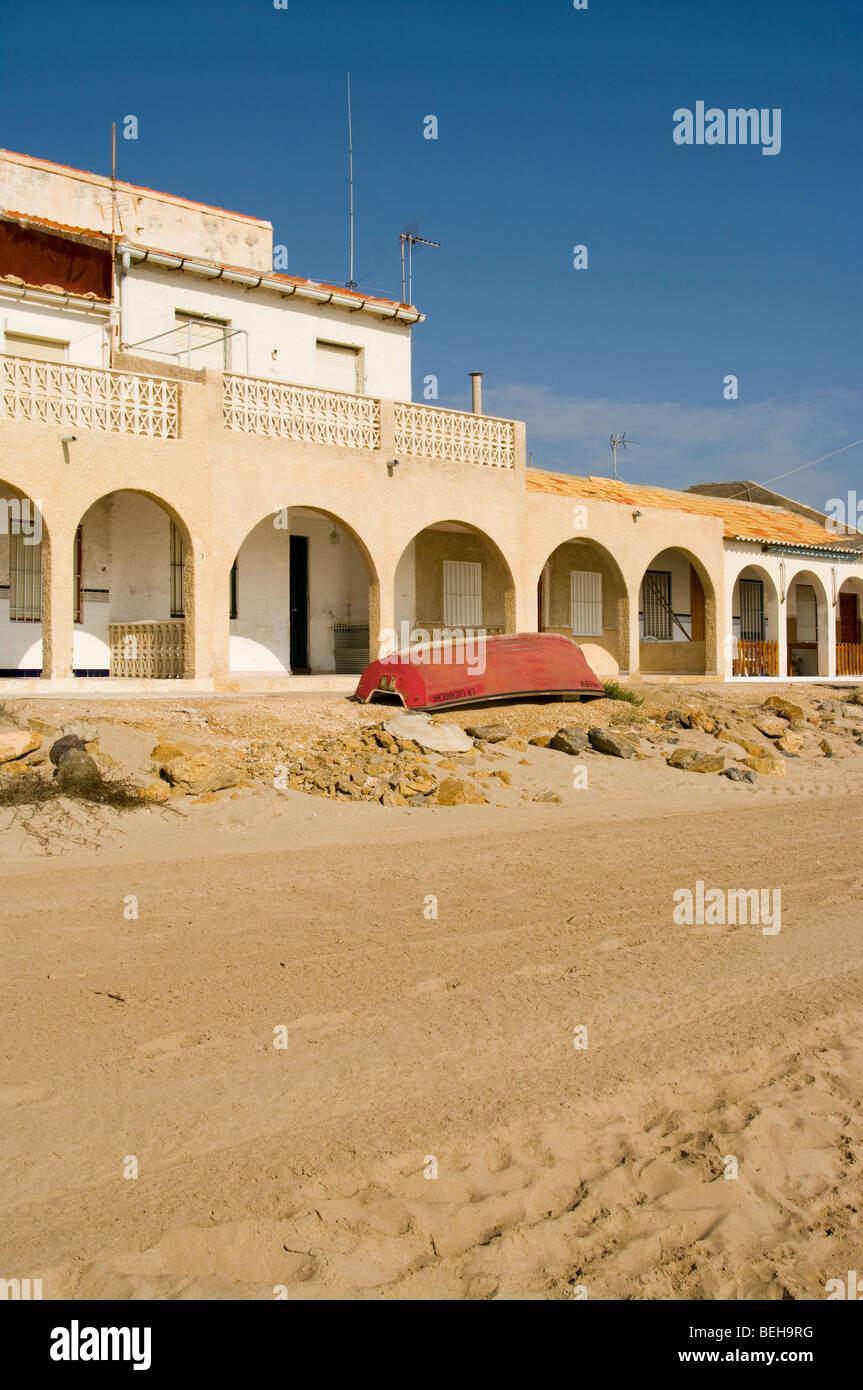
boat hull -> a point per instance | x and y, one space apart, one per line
439 675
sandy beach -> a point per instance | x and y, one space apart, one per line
437 1124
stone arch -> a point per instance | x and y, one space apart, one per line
25 566
133 562
807 624
282 622
751 652
420 601
678 632
600 605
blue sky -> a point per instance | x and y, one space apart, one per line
555 129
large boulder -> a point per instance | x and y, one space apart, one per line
65 745
610 743
690 760
490 733
430 736
199 773
454 792
78 773
570 740
17 743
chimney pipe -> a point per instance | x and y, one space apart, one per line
476 383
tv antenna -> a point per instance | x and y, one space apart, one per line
619 441
351 281
410 237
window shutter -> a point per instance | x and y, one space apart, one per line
462 593
585 603
337 368
43 349
807 614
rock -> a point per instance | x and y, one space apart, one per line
673 716
738 774
65 745
570 740
769 766
702 720
17 743
156 791
490 733
690 760
433 738
856 696
827 748
87 733
614 745
43 727
548 795
78 773
771 725
454 792
746 736
787 708
202 772
541 740
504 774
790 743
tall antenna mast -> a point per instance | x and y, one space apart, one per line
113 331
411 238
351 281
621 441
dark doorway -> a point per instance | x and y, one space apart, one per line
299 604
848 628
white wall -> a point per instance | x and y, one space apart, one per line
290 328
86 334
338 593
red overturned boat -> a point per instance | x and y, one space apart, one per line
463 670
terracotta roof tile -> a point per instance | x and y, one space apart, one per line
743 520
25 218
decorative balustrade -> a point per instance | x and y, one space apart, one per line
148 650
88 398
756 658
426 432
849 659
280 411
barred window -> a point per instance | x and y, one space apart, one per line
177 564
656 605
25 579
79 583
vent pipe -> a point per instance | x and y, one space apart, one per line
476 383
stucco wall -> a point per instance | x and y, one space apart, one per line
271 324
557 590
76 198
431 549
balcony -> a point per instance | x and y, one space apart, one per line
88 398
128 402
426 432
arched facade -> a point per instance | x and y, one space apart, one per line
452 576
303 596
756 641
582 594
809 633
24 561
677 615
